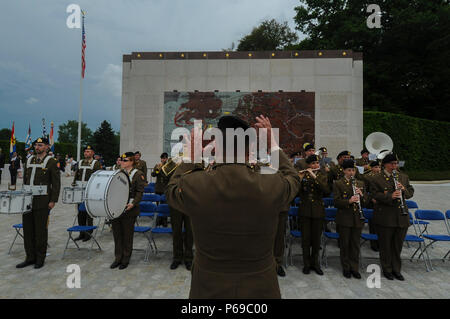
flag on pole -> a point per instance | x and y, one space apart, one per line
12 145
51 141
28 140
83 48
44 130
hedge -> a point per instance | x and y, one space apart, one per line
60 148
424 145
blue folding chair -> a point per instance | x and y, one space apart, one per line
17 228
80 229
147 209
297 201
434 215
155 198
328 201
412 204
419 240
162 210
146 232
368 214
293 232
330 215
163 199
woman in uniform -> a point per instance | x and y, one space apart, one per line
314 185
349 219
123 226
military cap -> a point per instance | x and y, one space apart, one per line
88 148
41 140
391 157
127 154
312 158
364 150
295 154
307 146
348 164
343 153
374 163
164 155
137 152
229 121
323 149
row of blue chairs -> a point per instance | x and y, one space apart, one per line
422 219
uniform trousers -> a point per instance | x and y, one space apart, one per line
390 240
35 233
84 220
279 246
349 244
181 239
311 229
123 233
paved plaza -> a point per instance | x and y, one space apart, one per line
154 279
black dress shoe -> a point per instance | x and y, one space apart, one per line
25 263
280 271
356 274
114 265
306 270
79 238
188 265
87 237
175 264
317 270
374 249
398 276
388 275
38 265
123 266
347 274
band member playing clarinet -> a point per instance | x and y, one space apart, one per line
390 217
311 212
349 199
123 226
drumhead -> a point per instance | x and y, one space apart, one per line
118 194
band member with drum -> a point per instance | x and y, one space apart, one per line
42 177
311 212
349 218
123 226
308 150
140 164
391 214
86 168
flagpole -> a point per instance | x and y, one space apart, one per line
80 110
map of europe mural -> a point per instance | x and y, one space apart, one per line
291 112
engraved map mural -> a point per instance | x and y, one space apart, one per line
291 112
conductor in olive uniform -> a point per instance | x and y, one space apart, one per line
140 164
391 221
123 226
234 254
311 213
85 169
42 177
348 218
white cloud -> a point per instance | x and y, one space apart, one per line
111 80
31 100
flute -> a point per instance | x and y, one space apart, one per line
305 170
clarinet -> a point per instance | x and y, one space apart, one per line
361 215
404 209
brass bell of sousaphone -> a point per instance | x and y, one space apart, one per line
379 143
169 167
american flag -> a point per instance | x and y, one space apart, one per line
83 48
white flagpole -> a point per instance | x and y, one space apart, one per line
81 104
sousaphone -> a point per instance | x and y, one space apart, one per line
169 167
379 143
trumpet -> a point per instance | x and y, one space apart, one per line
397 187
361 215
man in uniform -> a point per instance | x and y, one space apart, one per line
140 164
234 255
364 160
42 177
325 161
308 150
161 178
374 169
85 169
391 221
337 172
2 164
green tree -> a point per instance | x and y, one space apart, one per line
406 67
5 134
269 35
105 142
68 133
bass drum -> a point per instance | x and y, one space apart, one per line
107 194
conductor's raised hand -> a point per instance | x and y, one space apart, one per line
264 123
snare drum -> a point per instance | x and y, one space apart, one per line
73 195
15 202
107 194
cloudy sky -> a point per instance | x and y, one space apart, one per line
40 55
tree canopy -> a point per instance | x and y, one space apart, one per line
68 133
106 142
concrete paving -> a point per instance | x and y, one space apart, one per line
154 279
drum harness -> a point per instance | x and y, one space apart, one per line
36 189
